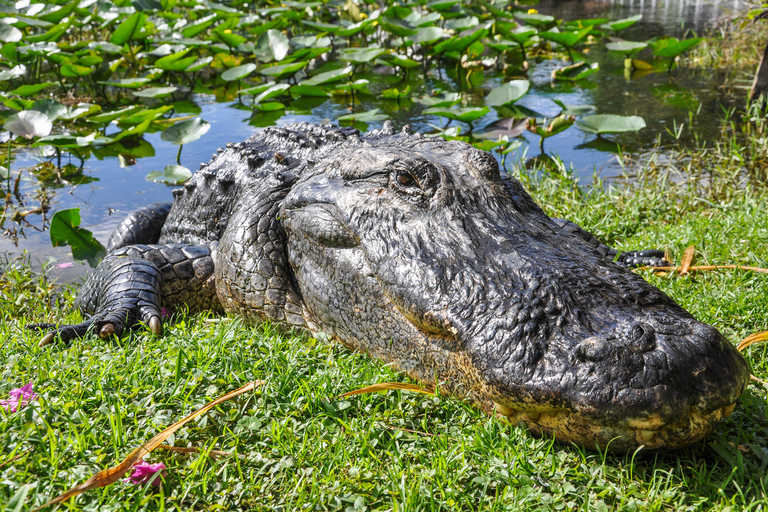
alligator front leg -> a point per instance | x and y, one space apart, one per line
132 284
629 259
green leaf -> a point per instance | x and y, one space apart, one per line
198 26
56 14
670 48
9 33
574 110
238 72
273 91
364 117
396 94
29 90
567 39
427 35
448 99
308 90
322 27
610 123
129 28
129 83
360 55
396 26
466 115
65 230
108 117
73 70
185 132
16 503
28 124
199 64
507 93
284 70
50 107
575 72
626 47
173 174
133 131
329 76
272 106
272 45
622 23
537 20
553 127
155 92
459 44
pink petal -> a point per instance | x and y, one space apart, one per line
164 312
65 265
18 398
144 472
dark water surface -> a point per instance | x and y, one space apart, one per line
664 103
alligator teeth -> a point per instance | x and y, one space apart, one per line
727 410
504 410
533 415
647 435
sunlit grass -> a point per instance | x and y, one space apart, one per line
292 445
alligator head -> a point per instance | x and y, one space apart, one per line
418 251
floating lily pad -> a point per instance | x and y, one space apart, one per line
328 76
575 72
129 83
239 72
284 70
626 47
364 117
610 123
155 92
308 90
361 55
29 90
466 115
272 45
172 174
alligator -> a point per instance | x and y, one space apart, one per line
421 253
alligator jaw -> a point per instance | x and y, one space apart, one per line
572 428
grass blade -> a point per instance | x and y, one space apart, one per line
385 386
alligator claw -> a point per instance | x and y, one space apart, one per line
47 339
156 326
106 331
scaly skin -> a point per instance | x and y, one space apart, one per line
418 252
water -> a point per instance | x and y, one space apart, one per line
665 103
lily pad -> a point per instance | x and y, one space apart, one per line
283 70
29 124
328 76
129 29
29 90
155 92
272 45
129 83
364 117
9 33
670 47
626 47
361 55
507 93
185 132
567 39
575 72
621 24
65 230
238 72
610 123
466 115
172 174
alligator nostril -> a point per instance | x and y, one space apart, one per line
594 348
642 338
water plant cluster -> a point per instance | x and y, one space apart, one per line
89 78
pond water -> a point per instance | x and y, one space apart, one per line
111 191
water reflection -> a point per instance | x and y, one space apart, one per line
663 101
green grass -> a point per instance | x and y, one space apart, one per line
293 446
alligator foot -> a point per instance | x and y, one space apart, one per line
647 258
122 292
629 259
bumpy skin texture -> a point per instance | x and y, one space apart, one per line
418 252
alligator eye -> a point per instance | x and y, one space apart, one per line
406 179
